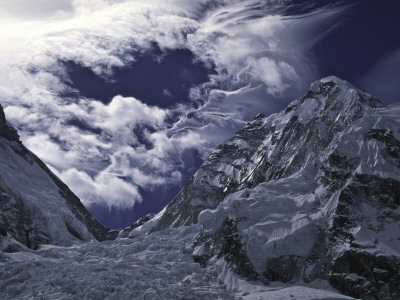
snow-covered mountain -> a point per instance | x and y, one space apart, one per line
312 192
293 204
36 207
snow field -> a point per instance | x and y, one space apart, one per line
158 266
154 266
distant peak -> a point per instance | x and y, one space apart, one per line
316 85
335 98
333 78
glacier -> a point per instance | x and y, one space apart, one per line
302 204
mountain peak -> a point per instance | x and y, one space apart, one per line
333 101
271 147
314 187
331 84
329 80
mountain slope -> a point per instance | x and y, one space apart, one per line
36 207
255 153
310 193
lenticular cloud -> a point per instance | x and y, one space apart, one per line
108 152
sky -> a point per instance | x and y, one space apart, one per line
124 99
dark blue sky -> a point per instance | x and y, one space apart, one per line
366 33
156 78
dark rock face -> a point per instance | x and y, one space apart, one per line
284 268
367 276
179 212
308 193
14 222
358 271
226 243
385 136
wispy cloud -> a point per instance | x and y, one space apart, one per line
127 145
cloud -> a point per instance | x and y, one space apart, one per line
109 167
103 186
230 43
167 93
28 10
98 36
124 113
108 153
272 73
42 146
89 6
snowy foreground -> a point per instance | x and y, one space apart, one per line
155 266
